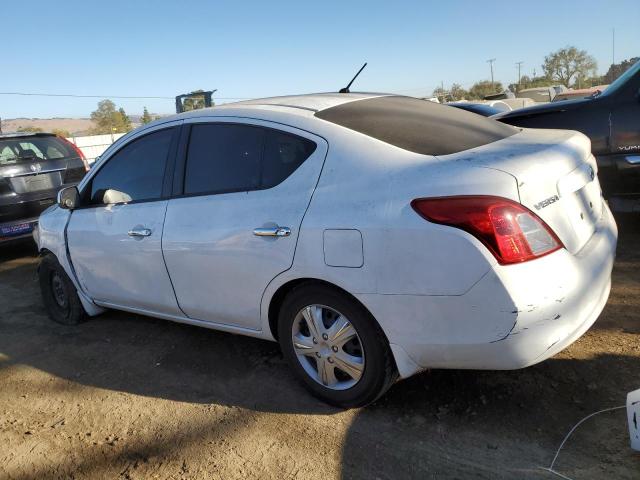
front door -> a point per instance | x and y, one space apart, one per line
115 237
246 188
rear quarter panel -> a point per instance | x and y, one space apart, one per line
367 185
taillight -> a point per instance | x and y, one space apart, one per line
509 230
78 151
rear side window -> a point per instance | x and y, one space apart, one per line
34 149
283 154
135 172
223 158
226 158
417 125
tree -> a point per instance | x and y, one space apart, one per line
61 132
145 118
569 66
193 103
454 94
481 89
617 69
441 94
109 120
457 92
29 129
126 121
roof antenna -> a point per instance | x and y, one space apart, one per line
346 89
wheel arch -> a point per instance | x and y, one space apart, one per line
283 290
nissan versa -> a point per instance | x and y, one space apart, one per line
373 236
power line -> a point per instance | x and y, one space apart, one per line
31 94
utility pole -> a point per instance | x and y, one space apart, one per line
613 46
519 64
490 62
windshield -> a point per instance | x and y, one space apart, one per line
622 79
33 149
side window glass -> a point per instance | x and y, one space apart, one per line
283 154
232 157
135 172
223 158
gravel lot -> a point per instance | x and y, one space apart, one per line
125 396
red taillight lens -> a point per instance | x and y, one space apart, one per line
78 151
510 231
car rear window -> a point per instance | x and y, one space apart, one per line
28 149
416 125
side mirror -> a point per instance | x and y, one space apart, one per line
69 198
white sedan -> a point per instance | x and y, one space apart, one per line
373 236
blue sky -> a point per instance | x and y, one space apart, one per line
264 48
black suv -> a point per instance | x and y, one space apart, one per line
33 167
611 120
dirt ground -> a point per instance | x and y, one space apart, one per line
125 396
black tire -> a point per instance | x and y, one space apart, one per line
379 371
58 293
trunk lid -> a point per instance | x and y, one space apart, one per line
556 176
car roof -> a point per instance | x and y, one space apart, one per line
303 105
26 134
314 102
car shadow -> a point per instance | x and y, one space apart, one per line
492 424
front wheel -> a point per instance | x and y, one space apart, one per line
58 293
335 347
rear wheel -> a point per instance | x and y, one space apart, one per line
58 293
335 347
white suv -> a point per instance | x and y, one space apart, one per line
373 236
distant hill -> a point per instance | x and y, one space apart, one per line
75 126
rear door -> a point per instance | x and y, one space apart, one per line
115 237
244 191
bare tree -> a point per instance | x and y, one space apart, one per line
569 64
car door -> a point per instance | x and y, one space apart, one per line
244 190
625 141
115 237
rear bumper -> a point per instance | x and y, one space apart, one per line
18 219
515 316
18 229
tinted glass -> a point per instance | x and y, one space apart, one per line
416 125
283 154
135 172
30 149
223 158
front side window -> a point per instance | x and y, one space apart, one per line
135 172
232 157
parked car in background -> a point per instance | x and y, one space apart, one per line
541 94
579 93
373 236
33 167
611 119
484 109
